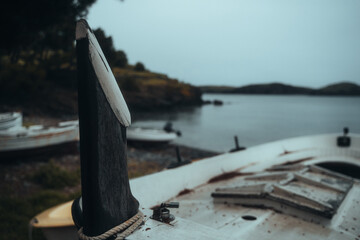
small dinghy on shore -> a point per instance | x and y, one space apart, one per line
149 136
300 188
9 120
28 141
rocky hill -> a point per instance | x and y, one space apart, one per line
216 89
272 88
343 89
339 89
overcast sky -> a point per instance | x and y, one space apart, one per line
238 42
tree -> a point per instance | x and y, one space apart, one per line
106 44
40 25
115 58
139 67
120 59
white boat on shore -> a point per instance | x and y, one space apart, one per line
147 135
272 191
25 141
9 120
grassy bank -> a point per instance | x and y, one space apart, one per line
26 193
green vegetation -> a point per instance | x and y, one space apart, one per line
51 176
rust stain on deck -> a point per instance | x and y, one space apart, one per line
185 191
297 161
285 153
228 175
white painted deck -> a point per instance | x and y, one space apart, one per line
199 217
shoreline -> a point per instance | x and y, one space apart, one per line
16 175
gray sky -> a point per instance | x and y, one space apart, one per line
238 42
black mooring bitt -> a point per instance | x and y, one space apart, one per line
236 142
178 156
237 147
344 141
162 213
180 161
107 200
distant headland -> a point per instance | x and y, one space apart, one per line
336 89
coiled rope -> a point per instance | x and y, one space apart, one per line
123 230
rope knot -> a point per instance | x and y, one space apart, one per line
120 231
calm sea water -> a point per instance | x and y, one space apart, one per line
257 119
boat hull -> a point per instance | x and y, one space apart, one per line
36 140
9 120
140 136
